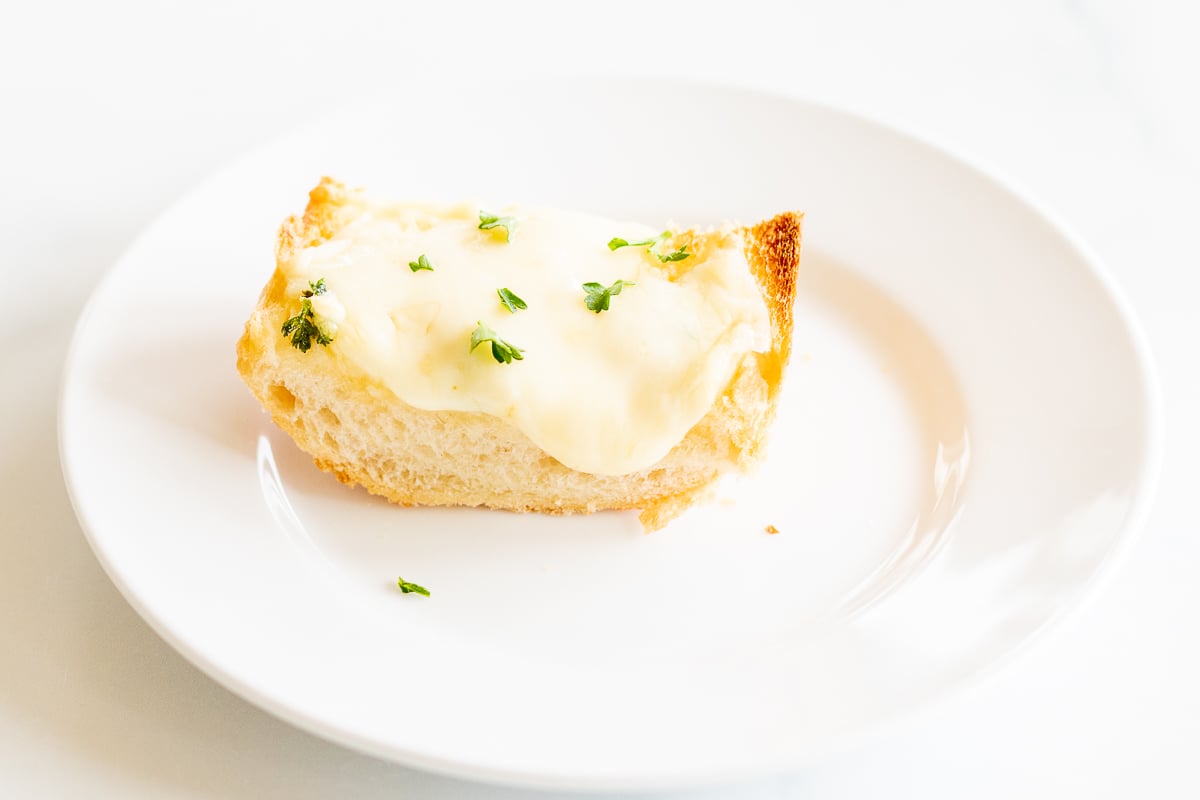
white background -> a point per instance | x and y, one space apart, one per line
112 110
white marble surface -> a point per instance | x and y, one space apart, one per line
112 110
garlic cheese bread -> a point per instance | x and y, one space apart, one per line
527 359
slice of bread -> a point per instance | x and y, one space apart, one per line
357 429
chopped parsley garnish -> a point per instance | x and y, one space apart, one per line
502 351
411 588
303 327
598 298
488 220
653 244
678 255
420 264
617 243
511 301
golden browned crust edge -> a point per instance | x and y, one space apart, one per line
772 249
323 217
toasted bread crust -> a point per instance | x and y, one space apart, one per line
418 457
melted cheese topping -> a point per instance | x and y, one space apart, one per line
607 393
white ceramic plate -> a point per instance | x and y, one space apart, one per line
968 435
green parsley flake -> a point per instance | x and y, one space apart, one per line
598 297
617 243
420 264
502 351
303 327
411 588
511 301
678 255
488 221
653 244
